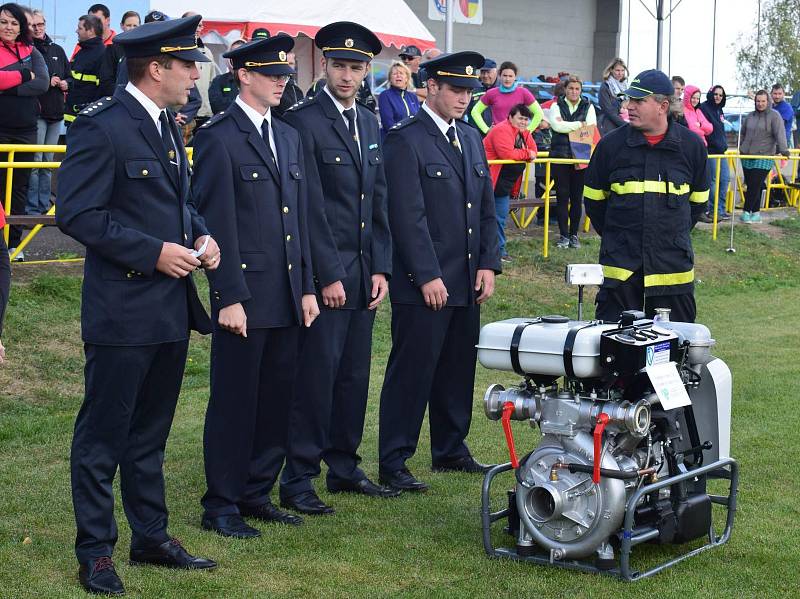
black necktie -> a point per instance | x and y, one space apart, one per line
166 137
265 135
451 135
350 115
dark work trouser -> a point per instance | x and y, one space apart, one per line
326 420
629 295
432 364
19 183
5 281
131 393
569 195
753 180
244 443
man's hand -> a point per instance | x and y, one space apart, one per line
484 282
55 80
233 319
180 118
380 287
310 309
210 258
435 294
333 295
63 85
176 261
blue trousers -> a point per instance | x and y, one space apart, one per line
724 178
501 210
39 185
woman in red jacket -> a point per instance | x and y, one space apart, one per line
508 140
695 119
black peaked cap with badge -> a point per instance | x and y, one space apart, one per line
267 56
460 69
348 40
176 37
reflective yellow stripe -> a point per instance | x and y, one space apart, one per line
68 118
699 197
614 272
649 186
595 194
86 77
676 278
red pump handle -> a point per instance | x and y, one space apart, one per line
602 421
508 409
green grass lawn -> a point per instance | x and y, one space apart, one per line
419 546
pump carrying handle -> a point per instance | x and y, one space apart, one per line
508 409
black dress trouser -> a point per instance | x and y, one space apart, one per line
569 195
252 387
131 394
431 365
629 295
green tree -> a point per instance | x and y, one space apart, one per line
771 53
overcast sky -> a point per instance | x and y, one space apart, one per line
691 48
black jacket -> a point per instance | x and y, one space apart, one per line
348 219
291 96
113 56
560 146
222 92
608 117
51 103
121 197
717 142
644 200
257 215
84 78
441 210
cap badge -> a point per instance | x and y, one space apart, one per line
469 70
282 56
348 43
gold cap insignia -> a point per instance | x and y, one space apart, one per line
469 70
348 43
171 154
282 55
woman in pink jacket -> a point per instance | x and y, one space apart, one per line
695 118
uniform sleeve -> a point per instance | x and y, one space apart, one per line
407 217
381 235
596 188
84 212
328 266
490 244
305 241
108 71
213 194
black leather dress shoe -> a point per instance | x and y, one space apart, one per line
402 479
230 526
465 464
307 503
170 554
269 513
365 487
99 576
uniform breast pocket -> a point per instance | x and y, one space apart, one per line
143 168
253 172
336 157
294 173
678 189
375 158
480 169
438 171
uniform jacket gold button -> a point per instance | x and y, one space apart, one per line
145 172
469 204
185 237
438 173
362 224
362 196
255 175
469 256
338 159
244 265
290 266
288 238
286 209
469 231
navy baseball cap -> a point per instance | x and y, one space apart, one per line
265 56
459 69
175 37
347 40
488 65
410 51
648 83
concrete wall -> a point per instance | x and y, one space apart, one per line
540 36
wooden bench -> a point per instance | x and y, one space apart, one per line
31 220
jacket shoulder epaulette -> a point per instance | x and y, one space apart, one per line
220 116
409 120
98 106
304 103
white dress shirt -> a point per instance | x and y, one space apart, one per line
441 123
257 119
153 110
340 107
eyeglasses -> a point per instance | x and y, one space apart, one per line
408 58
278 78
37 25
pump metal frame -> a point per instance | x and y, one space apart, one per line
725 468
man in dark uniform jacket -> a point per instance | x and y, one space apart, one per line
445 259
250 188
85 68
224 87
139 300
351 253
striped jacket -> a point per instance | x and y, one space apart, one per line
644 201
